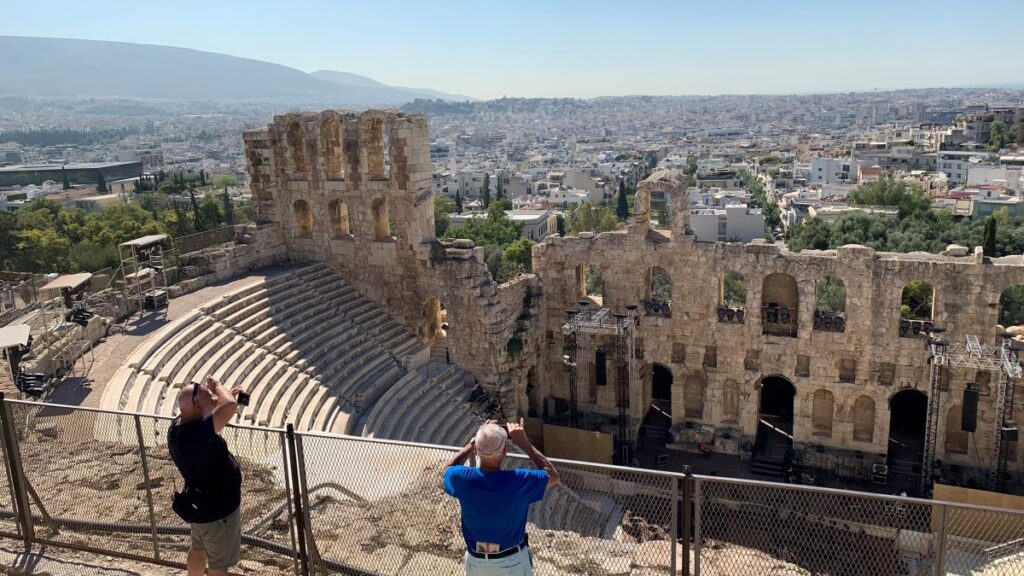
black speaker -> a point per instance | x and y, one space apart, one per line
601 373
1010 432
969 416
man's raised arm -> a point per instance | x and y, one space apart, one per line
518 437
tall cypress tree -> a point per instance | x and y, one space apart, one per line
485 193
64 177
195 210
622 209
101 183
458 202
989 242
229 209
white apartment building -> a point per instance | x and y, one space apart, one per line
1008 176
955 163
832 170
735 222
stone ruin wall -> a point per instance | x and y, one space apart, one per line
354 191
303 166
717 366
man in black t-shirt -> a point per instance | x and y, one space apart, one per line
213 479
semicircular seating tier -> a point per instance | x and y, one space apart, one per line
310 350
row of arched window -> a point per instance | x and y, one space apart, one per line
340 218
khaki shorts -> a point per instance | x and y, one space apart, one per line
220 539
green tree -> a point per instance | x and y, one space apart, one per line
458 202
622 208
999 136
485 191
916 300
211 211
64 178
595 283
734 290
560 224
888 191
225 180
517 258
811 234
830 294
443 207
1011 306
101 184
202 177
989 244
591 217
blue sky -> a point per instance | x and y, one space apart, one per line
577 48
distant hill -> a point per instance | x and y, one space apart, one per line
349 79
52 67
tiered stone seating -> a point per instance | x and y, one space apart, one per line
420 409
307 347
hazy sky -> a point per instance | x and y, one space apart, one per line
488 49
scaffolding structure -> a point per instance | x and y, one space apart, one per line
579 327
1004 360
63 342
144 272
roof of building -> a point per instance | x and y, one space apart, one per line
70 281
16 335
79 166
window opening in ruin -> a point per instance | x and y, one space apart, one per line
297 146
594 284
780 302
822 411
908 410
732 292
339 218
331 148
303 219
378 148
381 219
661 285
917 301
864 420
658 419
1011 307
830 304
917 305
775 420
956 438
661 210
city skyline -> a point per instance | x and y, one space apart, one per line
571 49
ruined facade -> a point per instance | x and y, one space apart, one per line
353 190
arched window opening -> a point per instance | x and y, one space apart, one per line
732 293
780 302
659 294
339 218
864 419
303 219
381 219
917 305
297 147
822 412
330 147
830 304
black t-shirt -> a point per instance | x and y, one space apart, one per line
209 469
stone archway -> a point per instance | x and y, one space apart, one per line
775 418
908 411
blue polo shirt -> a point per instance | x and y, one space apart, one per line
494 504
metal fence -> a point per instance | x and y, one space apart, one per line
316 503
205 239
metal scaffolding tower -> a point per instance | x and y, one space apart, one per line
145 276
1003 360
577 330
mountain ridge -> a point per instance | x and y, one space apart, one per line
59 67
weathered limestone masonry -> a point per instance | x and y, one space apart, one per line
353 190
717 366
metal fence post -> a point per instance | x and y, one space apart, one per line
687 502
293 494
288 499
149 487
940 548
314 552
697 493
674 523
9 435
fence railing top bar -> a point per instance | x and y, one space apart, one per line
852 493
580 463
124 413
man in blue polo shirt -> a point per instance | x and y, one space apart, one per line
495 502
